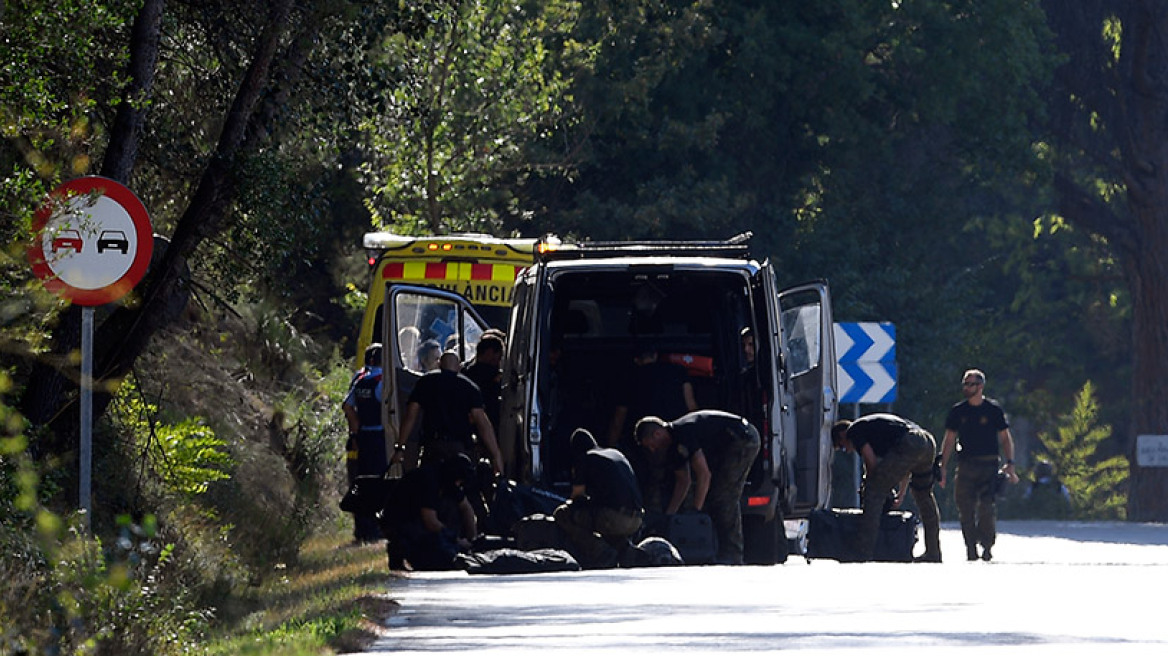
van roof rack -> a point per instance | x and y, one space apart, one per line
737 246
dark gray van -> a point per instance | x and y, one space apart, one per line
582 312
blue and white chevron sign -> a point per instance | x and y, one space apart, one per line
866 362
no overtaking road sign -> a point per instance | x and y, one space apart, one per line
93 241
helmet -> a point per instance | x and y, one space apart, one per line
658 552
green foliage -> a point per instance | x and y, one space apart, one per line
185 457
62 60
68 595
473 84
64 593
1077 450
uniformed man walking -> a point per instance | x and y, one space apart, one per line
979 432
897 453
713 451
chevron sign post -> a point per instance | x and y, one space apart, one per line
866 362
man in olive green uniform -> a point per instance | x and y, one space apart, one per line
894 451
977 429
713 451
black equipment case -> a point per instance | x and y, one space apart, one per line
694 537
830 533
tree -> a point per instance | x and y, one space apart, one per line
884 146
1096 481
1109 130
474 82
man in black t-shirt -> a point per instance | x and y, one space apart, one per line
712 451
428 519
484 371
894 450
652 388
605 508
979 432
451 410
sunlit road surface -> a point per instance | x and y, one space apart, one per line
1052 588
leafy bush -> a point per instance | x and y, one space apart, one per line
185 457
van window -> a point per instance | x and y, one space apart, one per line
801 326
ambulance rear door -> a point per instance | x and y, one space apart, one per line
415 319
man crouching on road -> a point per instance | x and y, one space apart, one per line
428 519
719 448
893 450
605 508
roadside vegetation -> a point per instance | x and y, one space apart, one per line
216 528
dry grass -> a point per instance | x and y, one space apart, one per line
334 600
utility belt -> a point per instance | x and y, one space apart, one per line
437 449
445 441
977 459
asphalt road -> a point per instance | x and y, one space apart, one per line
1052 588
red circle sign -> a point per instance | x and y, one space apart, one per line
93 241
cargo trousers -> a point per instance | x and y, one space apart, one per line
596 534
976 505
728 470
912 454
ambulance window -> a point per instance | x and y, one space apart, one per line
422 323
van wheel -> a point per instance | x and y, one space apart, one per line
765 543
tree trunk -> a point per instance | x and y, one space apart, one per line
1147 268
1148 492
129 330
122 152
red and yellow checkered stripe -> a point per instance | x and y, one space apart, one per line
433 271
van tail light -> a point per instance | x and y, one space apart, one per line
756 502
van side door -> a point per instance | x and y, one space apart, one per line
416 320
808 347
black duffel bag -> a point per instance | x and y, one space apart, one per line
367 494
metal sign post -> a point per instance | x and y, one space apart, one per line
85 483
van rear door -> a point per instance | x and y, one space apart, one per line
808 347
414 317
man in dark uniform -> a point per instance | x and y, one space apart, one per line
713 451
605 508
978 428
450 407
752 391
484 371
428 519
365 452
654 388
894 450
